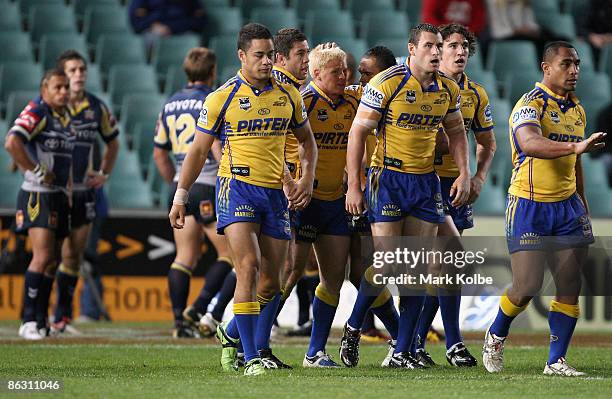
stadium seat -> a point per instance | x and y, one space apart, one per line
16 47
216 3
138 108
275 18
399 47
129 194
543 7
412 8
593 86
18 76
475 61
51 18
360 7
592 109
222 22
596 171
172 50
492 200
94 80
587 60
25 5
328 23
505 57
357 47
53 44
519 83
130 79
225 48
10 183
9 18
116 49
486 79
247 6
387 24
143 134
156 184
227 73
562 25
100 21
303 6
500 110
598 198
175 80
80 6
16 102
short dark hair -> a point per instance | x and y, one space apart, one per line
252 31
69 55
415 33
199 64
51 73
447 30
285 38
552 48
383 55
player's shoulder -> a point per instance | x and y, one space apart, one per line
287 87
477 87
534 98
353 92
223 91
389 75
448 83
95 101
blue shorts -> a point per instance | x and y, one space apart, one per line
322 217
238 201
47 210
201 202
83 209
463 216
532 225
393 195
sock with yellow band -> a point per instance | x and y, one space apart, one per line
42 302
409 309
562 320
213 282
324 308
365 298
384 308
66 283
267 315
179 277
505 315
246 315
428 313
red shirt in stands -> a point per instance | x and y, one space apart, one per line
471 13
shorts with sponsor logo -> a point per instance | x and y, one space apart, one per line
201 202
83 209
537 226
463 216
46 210
322 217
393 195
238 201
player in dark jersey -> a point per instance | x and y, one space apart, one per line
175 132
41 143
91 118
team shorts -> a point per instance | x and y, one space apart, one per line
83 209
393 195
463 216
536 226
46 210
322 217
238 201
201 203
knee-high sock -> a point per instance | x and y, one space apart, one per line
66 283
42 303
428 313
450 303
214 281
301 290
323 309
30 297
562 320
246 314
267 315
384 308
410 308
365 298
505 315
225 296
368 321
179 277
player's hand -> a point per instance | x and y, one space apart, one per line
328 45
177 216
289 188
460 190
354 201
96 179
593 143
476 184
302 194
41 175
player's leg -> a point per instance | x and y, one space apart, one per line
188 241
211 320
305 277
332 254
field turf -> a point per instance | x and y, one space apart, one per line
137 360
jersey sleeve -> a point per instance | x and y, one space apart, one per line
211 116
161 139
483 119
29 122
526 112
108 124
300 116
378 92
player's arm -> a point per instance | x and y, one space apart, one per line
15 145
485 150
216 150
442 143
307 150
580 183
365 121
458 148
533 144
164 164
97 179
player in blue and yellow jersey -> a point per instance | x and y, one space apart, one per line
547 217
176 127
459 44
407 104
91 118
41 143
251 114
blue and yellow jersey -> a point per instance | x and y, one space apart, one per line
90 118
176 128
330 122
49 140
410 117
252 125
291 145
546 180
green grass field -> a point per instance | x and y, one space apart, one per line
136 360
